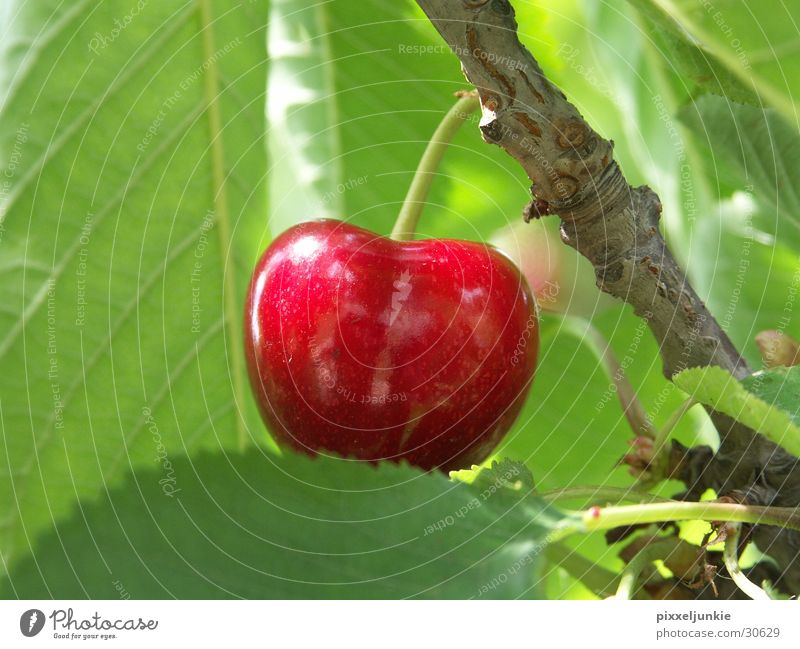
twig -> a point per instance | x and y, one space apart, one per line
605 518
407 219
573 171
597 343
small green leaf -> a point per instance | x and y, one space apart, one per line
507 473
258 526
779 387
767 401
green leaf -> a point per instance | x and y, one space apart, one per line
742 49
257 526
779 387
745 276
133 208
768 401
511 474
756 150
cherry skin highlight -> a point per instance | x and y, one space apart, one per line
375 349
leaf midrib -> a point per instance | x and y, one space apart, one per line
222 212
222 215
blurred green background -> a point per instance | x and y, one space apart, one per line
151 152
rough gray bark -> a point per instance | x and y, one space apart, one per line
615 226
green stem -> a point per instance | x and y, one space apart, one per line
666 430
600 581
406 224
606 518
636 566
660 462
632 408
731 555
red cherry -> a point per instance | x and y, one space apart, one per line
375 349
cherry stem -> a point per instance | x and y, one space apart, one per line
599 580
406 224
660 462
597 343
662 436
636 567
731 555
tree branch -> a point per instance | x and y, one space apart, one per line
574 175
613 225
